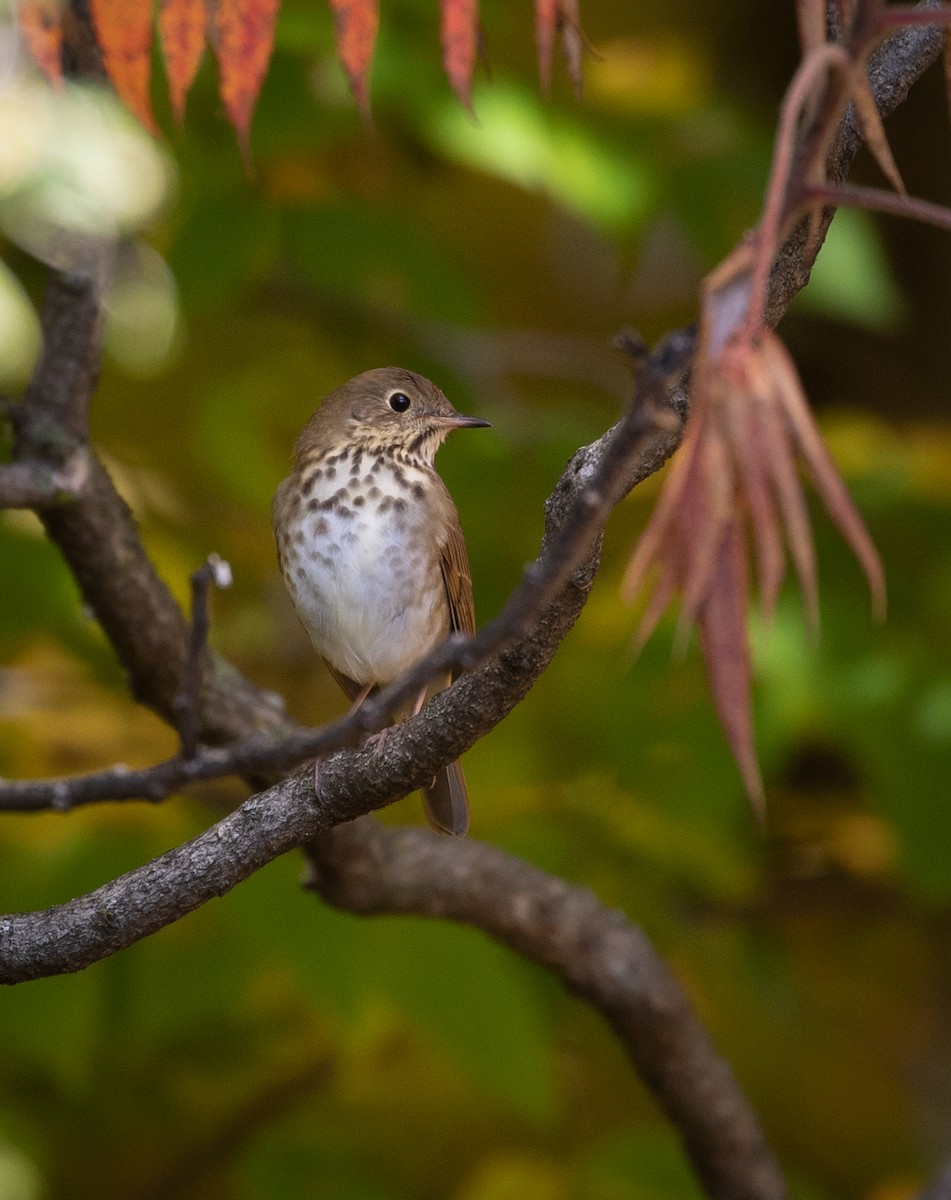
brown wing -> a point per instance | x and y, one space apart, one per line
455 573
445 799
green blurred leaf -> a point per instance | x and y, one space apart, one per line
219 248
475 998
480 1000
379 258
852 280
647 1166
519 140
282 1168
37 590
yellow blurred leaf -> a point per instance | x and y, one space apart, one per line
514 1177
648 77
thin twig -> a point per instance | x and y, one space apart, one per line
187 704
824 59
906 16
878 200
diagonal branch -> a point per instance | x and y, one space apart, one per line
40 484
97 535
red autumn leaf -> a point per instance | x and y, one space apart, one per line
722 622
811 18
41 24
182 31
460 44
737 472
572 41
833 492
124 32
243 40
873 131
553 17
546 24
356 23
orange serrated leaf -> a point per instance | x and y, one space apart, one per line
41 24
707 507
182 26
356 24
460 45
551 18
243 41
124 33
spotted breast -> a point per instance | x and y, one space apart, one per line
355 559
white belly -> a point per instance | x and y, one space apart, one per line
371 601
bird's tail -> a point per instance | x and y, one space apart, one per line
446 801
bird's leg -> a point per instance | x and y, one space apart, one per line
359 698
376 740
357 701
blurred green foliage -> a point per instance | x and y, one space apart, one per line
268 1047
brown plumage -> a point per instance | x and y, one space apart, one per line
370 544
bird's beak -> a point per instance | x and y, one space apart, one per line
458 421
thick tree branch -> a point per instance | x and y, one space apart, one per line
601 957
97 535
40 485
70 936
55 413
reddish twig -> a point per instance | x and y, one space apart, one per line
877 200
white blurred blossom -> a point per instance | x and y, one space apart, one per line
79 177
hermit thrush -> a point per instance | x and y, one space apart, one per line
370 544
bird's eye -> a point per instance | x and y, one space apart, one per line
398 401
